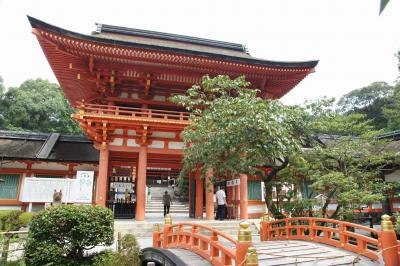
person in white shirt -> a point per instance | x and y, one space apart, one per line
221 202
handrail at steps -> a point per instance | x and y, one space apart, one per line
336 233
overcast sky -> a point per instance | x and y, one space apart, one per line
354 44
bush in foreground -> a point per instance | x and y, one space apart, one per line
60 235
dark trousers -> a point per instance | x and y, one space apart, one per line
166 209
221 212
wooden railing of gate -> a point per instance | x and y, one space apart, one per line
345 235
206 242
89 110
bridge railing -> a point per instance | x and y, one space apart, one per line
345 235
215 246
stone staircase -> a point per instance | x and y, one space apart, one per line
145 229
156 206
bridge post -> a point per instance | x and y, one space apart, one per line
166 230
264 227
243 243
389 242
251 257
156 236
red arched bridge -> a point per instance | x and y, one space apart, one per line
291 241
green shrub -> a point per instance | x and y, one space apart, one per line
106 258
26 218
11 220
129 252
60 235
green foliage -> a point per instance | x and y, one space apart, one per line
392 110
233 131
346 167
129 253
383 5
37 105
106 258
60 235
13 220
2 88
183 186
369 101
26 218
238 132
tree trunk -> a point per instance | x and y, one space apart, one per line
268 189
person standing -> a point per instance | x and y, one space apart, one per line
221 201
166 202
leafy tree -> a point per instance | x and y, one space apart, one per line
233 131
37 105
349 168
392 110
369 101
2 88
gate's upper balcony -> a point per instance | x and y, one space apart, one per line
130 116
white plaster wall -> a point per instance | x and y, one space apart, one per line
256 208
157 144
131 132
160 98
162 134
8 164
174 145
86 167
134 96
50 166
124 94
376 205
132 143
117 142
11 207
119 131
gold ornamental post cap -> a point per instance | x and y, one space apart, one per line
251 256
156 228
244 234
386 223
168 219
265 217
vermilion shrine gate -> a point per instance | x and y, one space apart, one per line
119 79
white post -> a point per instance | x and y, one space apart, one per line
30 207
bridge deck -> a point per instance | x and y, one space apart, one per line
293 252
189 257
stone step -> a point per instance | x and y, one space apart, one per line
146 229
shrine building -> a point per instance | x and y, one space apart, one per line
119 80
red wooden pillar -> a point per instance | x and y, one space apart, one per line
199 196
209 196
141 184
101 182
243 197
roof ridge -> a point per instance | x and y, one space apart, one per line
170 36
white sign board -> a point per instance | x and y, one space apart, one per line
77 190
42 189
82 187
